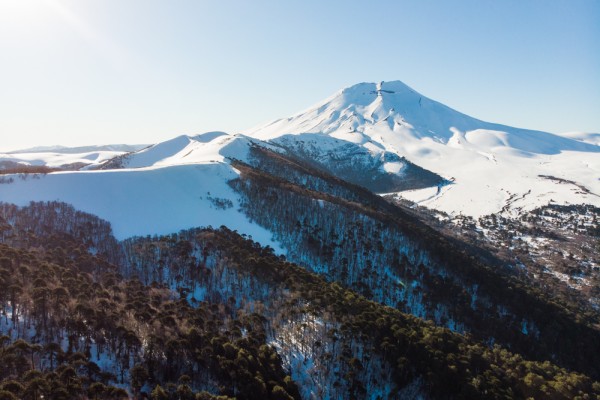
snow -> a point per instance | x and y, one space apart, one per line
208 147
483 187
163 188
158 152
178 184
145 201
494 168
575 282
57 159
591 138
122 148
393 167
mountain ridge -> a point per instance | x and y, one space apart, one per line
374 135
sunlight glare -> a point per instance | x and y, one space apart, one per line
20 19
20 12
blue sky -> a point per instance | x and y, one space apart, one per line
78 72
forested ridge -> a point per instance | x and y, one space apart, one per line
365 243
354 163
207 312
74 326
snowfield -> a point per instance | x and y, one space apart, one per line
53 159
209 147
178 184
145 201
58 156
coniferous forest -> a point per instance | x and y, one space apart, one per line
207 313
369 302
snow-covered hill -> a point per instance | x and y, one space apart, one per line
209 147
491 167
178 184
144 201
64 157
124 148
591 138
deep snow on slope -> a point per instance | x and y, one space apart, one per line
59 159
492 167
120 148
178 184
146 201
206 147
591 138
61 156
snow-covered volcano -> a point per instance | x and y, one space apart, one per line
378 135
492 167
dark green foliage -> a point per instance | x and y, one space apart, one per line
51 224
452 365
147 334
156 333
158 393
380 251
349 162
24 375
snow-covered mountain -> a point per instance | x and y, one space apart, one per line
491 167
385 136
209 147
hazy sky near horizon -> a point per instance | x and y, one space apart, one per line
77 72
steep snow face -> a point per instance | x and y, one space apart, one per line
492 167
367 164
346 114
